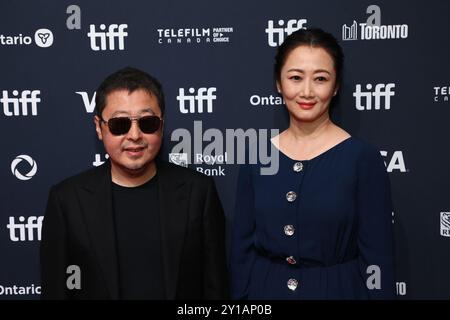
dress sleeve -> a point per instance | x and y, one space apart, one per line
242 253
375 230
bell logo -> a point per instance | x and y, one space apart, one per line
382 92
26 229
98 161
15 171
114 31
397 162
43 38
203 95
280 31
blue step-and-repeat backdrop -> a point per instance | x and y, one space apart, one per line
215 61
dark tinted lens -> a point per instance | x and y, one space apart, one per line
149 124
119 126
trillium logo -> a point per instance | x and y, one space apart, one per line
15 170
43 38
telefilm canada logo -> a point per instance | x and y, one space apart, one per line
42 38
194 35
441 93
372 29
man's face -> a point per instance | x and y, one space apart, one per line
131 154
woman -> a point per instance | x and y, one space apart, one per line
321 227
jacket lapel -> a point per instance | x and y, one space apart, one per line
173 203
96 201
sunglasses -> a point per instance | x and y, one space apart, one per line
121 125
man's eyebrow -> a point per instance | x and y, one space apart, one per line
139 112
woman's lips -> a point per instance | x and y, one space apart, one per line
306 105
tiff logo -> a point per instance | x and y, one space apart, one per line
114 31
381 91
26 230
281 31
15 106
204 95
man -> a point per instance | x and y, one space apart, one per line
135 227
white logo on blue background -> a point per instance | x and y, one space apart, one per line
15 171
43 38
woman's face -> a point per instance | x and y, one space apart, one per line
308 83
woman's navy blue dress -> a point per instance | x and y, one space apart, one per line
318 229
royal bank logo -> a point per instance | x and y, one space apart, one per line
192 36
108 38
441 93
18 103
180 159
445 224
276 34
375 97
372 29
196 101
210 151
21 164
42 38
25 229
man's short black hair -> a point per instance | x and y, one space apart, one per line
130 79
